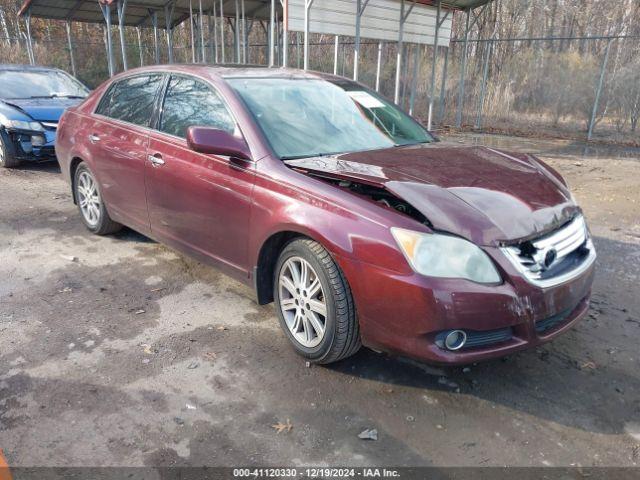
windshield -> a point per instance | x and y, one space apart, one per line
312 117
43 84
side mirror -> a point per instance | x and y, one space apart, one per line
217 142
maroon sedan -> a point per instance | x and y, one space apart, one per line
336 205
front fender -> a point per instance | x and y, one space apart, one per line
343 231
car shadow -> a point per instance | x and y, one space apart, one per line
129 235
51 166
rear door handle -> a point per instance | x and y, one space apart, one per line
94 138
156 159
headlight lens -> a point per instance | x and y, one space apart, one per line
23 125
445 256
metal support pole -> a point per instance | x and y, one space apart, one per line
213 36
336 48
222 31
272 34
483 87
193 40
307 7
443 85
122 5
360 6
378 66
203 54
156 45
106 13
70 42
463 70
168 13
139 34
434 61
603 70
243 23
285 32
237 32
403 18
216 54
27 20
414 79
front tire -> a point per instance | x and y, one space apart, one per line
314 303
7 151
90 203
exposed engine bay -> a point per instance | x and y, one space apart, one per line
377 194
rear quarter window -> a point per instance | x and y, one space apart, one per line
132 99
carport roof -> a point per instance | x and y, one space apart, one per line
138 12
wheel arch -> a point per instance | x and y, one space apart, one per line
73 166
266 262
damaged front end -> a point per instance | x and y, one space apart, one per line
363 184
32 145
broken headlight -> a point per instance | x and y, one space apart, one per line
24 125
445 256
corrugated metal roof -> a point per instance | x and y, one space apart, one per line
138 12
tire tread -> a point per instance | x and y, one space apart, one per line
346 341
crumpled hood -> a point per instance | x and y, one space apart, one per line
482 194
43 109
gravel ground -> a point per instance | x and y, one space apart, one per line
117 351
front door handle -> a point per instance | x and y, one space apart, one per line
156 159
94 138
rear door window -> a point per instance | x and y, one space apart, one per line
132 99
191 102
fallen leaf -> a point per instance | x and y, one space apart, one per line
282 427
210 356
368 434
588 365
222 327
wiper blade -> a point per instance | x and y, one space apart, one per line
55 95
310 155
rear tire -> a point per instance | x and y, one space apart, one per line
93 211
314 303
7 151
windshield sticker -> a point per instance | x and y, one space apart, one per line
365 99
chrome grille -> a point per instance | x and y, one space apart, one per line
556 257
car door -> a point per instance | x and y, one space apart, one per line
198 203
119 137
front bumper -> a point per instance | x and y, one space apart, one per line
25 149
404 314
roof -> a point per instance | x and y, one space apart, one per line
16 67
138 12
226 71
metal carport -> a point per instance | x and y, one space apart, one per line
166 14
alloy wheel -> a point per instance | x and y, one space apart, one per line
88 198
302 302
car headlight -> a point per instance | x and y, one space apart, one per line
445 256
24 125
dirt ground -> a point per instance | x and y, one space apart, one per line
117 351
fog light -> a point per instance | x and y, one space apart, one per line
25 145
38 140
455 340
